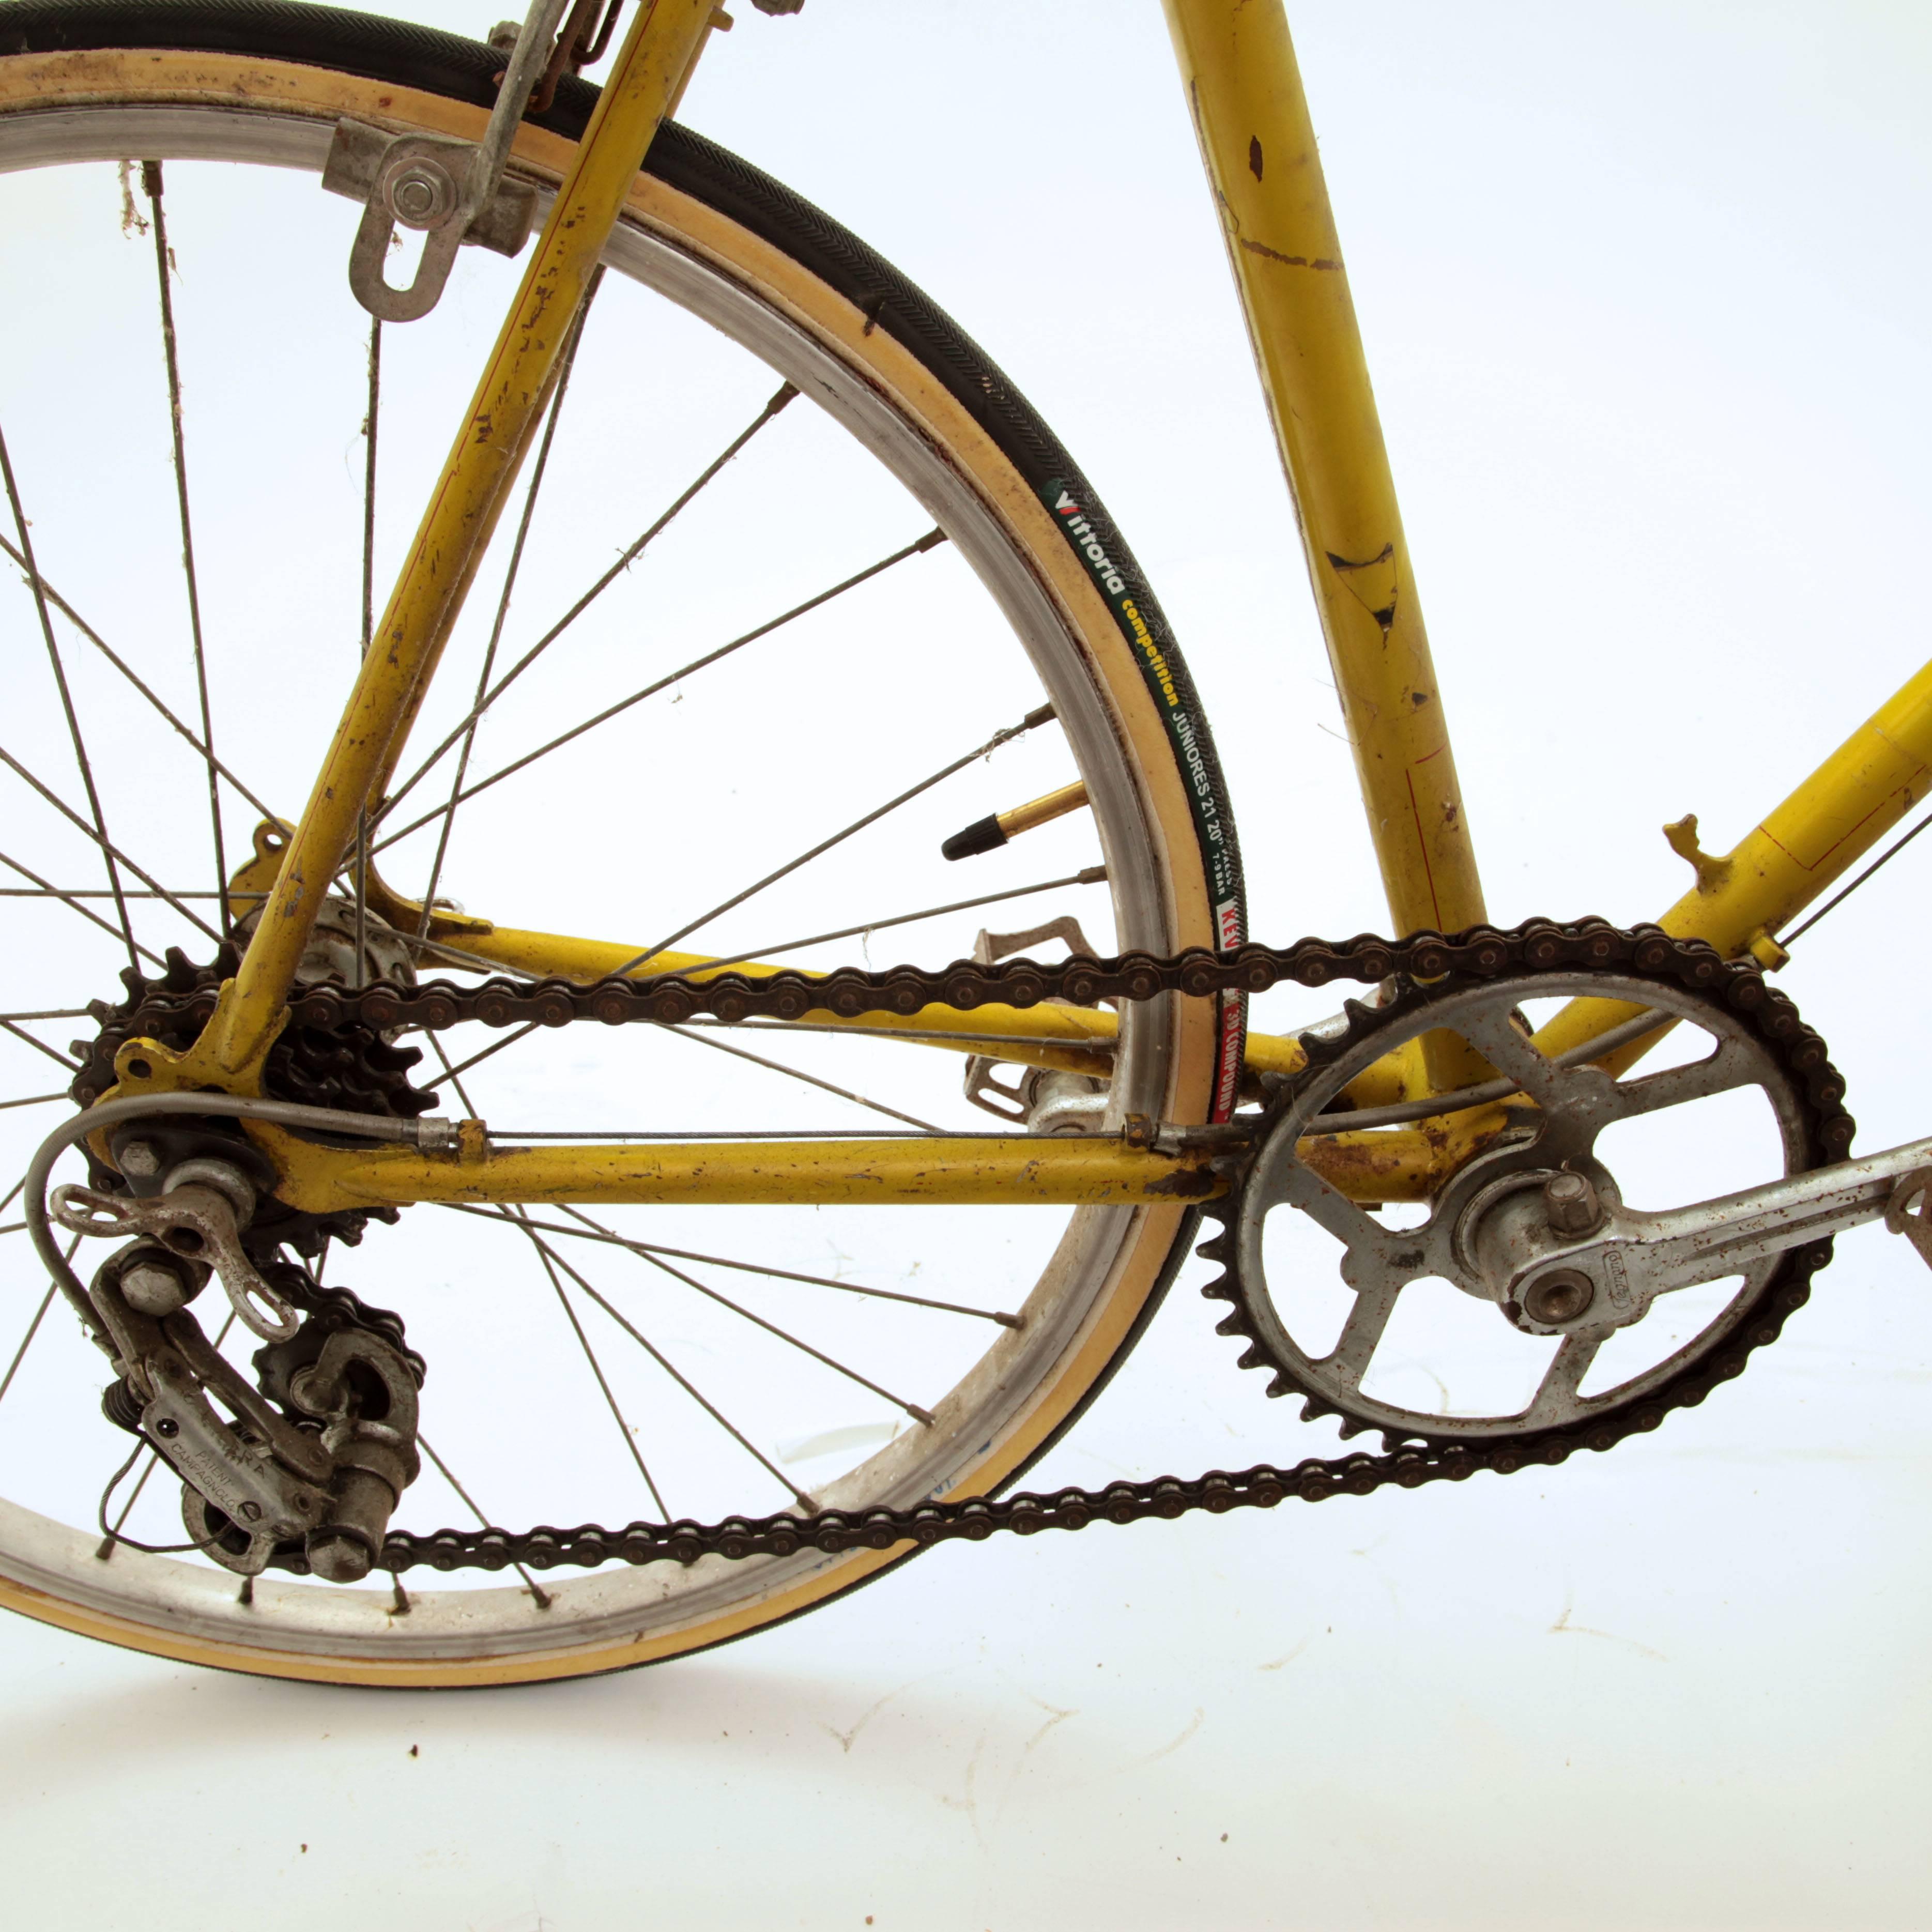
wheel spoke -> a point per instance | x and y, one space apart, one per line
113 853
473 962
477 1059
371 423
521 1219
150 182
778 402
199 748
26 1340
808 1079
98 832
1093 875
805 1500
592 1231
69 900
1096 1043
33 1326
1003 737
449 1475
912 1408
131 893
40 1045
930 540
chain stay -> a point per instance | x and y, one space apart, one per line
1483 952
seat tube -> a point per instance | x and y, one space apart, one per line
1244 91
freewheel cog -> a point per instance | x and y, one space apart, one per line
352 1066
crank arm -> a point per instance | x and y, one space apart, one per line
1636 1256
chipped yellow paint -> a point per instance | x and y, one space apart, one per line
995 1171
1244 89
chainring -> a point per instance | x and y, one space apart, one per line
1769 1022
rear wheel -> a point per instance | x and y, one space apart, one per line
720 286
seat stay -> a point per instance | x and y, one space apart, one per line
485 455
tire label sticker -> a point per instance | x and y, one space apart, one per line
1223 881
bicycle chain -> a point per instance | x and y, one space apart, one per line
1483 951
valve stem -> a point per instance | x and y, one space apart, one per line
989 834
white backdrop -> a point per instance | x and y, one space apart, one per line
1645 297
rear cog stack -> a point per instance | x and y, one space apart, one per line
351 1067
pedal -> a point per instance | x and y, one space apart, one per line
1914 1221
991 947
1041 1100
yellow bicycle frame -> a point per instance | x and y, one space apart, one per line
1244 92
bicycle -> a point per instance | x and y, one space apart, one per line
247 1110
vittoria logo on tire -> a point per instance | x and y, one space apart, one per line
1096 547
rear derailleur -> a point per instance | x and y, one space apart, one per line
306 1469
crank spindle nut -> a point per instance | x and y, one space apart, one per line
1560 1296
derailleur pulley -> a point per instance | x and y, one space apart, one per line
317 1457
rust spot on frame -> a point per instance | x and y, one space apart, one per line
1292 261
1186 1184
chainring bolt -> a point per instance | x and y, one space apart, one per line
1572 1204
